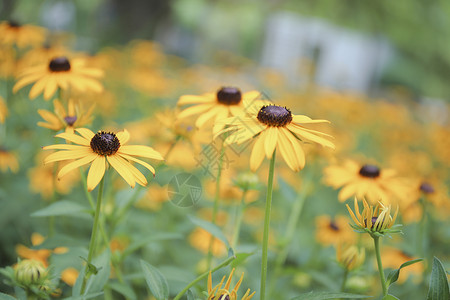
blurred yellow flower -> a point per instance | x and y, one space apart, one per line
41 255
59 73
98 149
219 292
8 160
13 33
69 119
393 258
3 110
350 256
69 276
200 240
332 231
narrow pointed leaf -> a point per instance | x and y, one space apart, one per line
438 282
156 282
393 275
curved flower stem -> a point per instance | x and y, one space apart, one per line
376 240
240 214
93 235
204 275
267 227
215 206
344 280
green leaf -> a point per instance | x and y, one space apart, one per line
393 275
123 289
327 295
240 258
6 297
390 297
88 296
148 239
96 281
211 228
190 295
63 208
438 282
156 281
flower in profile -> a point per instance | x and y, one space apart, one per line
69 119
226 102
224 293
99 148
350 256
8 160
273 127
59 73
332 231
3 110
365 181
374 220
13 33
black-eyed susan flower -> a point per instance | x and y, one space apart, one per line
273 127
350 256
224 293
61 73
374 220
365 181
332 231
226 102
98 149
63 118
12 33
8 160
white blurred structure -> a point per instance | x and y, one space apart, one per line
343 59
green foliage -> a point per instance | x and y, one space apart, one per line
156 281
393 275
327 295
439 288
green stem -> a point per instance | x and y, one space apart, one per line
266 227
376 240
204 275
215 206
344 280
93 235
240 214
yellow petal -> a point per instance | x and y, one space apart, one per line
38 87
122 169
194 110
257 155
123 136
50 88
271 141
74 138
195 99
96 172
139 162
138 150
299 153
86 133
309 136
76 164
288 153
65 155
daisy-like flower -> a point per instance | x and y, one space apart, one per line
365 181
273 127
68 119
224 293
99 148
332 231
374 220
228 101
13 33
59 73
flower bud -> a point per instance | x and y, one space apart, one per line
29 271
350 257
247 181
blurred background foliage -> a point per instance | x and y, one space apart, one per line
196 29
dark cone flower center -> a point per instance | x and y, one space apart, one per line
427 188
59 64
369 171
334 226
229 96
13 24
70 120
105 143
274 115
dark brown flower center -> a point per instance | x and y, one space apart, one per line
334 226
13 23
59 64
274 115
70 120
426 188
229 96
369 171
105 143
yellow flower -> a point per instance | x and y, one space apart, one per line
69 119
69 276
274 127
365 181
3 110
350 257
59 73
8 160
12 33
374 220
331 232
98 149
224 293
200 239
40 255
228 101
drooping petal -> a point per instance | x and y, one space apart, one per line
309 136
122 168
257 155
271 141
299 153
149 167
76 164
138 150
96 172
288 153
